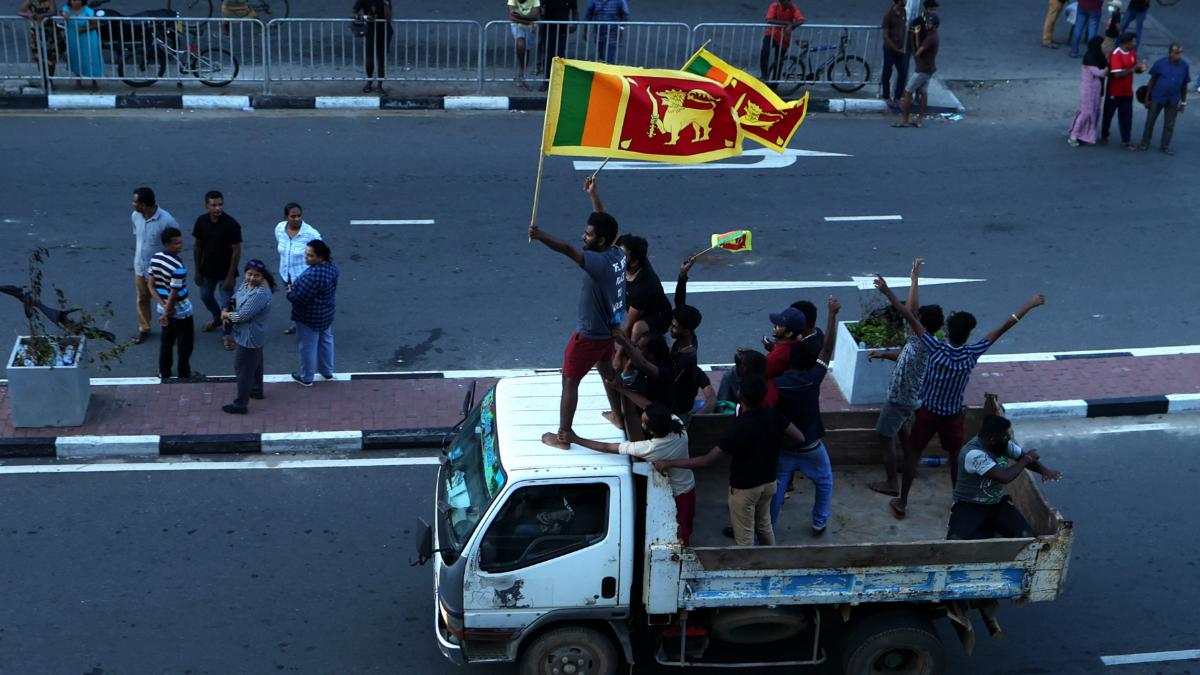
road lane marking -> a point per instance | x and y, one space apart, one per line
1129 428
854 219
863 283
218 466
1150 657
393 222
767 159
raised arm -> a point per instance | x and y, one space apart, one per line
593 193
914 323
1015 318
555 244
681 282
830 329
912 285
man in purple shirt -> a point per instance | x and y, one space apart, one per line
1169 77
1087 19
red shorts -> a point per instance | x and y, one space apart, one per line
949 431
685 514
582 353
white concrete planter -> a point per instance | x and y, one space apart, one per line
861 381
48 396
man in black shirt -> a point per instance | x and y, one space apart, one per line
554 36
218 249
688 377
653 380
753 445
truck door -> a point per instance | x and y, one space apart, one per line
551 545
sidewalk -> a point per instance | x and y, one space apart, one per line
401 410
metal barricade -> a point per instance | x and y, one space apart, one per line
341 49
645 44
141 50
847 58
20 49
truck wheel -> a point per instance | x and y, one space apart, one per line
756 625
570 651
894 642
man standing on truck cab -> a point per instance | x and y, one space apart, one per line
990 461
753 445
601 309
667 440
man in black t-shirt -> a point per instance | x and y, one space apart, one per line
554 36
753 445
217 252
653 380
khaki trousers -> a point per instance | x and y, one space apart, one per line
1052 11
750 514
143 304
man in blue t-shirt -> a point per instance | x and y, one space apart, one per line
601 308
1169 79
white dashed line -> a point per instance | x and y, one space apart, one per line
852 219
1150 657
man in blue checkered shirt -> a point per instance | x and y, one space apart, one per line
312 297
947 372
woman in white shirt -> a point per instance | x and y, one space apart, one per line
291 238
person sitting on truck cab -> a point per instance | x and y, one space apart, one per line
753 444
667 440
988 462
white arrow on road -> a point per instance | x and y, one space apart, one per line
862 283
767 159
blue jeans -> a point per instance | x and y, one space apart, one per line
814 464
606 45
316 351
899 61
1130 17
1085 21
210 289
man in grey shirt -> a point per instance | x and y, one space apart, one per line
149 221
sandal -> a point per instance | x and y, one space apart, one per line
1168 151
883 488
140 337
209 327
228 343
897 511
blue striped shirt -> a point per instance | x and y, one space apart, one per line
168 274
947 373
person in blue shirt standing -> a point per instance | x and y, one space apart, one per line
1169 77
312 297
607 37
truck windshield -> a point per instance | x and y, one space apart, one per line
472 475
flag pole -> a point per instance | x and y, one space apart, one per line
602 165
537 186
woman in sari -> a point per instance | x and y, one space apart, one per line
1091 91
83 43
37 11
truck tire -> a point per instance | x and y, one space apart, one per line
756 625
570 651
894 642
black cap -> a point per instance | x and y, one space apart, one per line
933 19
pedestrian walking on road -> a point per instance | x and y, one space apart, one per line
608 37
1123 64
1169 78
168 278
218 251
378 17
149 221
1091 95
601 310
37 11
248 317
312 296
1136 14
1087 24
925 60
554 35
1053 9
894 56
947 372
785 17
524 15
83 42
292 236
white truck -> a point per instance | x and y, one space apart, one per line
568 561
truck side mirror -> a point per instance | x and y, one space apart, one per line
424 542
469 400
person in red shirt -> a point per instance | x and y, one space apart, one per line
785 16
1123 64
787 327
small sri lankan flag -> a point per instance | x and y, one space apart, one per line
599 110
737 240
763 115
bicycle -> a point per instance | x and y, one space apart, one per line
142 49
845 72
203 9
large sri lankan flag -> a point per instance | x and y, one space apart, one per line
598 110
762 114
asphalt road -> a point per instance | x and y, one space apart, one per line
1106 235
305 570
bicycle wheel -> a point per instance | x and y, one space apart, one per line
849 73
194 9
793 76
138 68
215 67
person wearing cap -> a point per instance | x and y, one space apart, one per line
786 328
925 59
248 321
1169 77
916 27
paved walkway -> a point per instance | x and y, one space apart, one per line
404 402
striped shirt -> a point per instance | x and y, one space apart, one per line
167 274
249 316
947 373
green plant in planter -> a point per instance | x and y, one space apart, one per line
43 348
